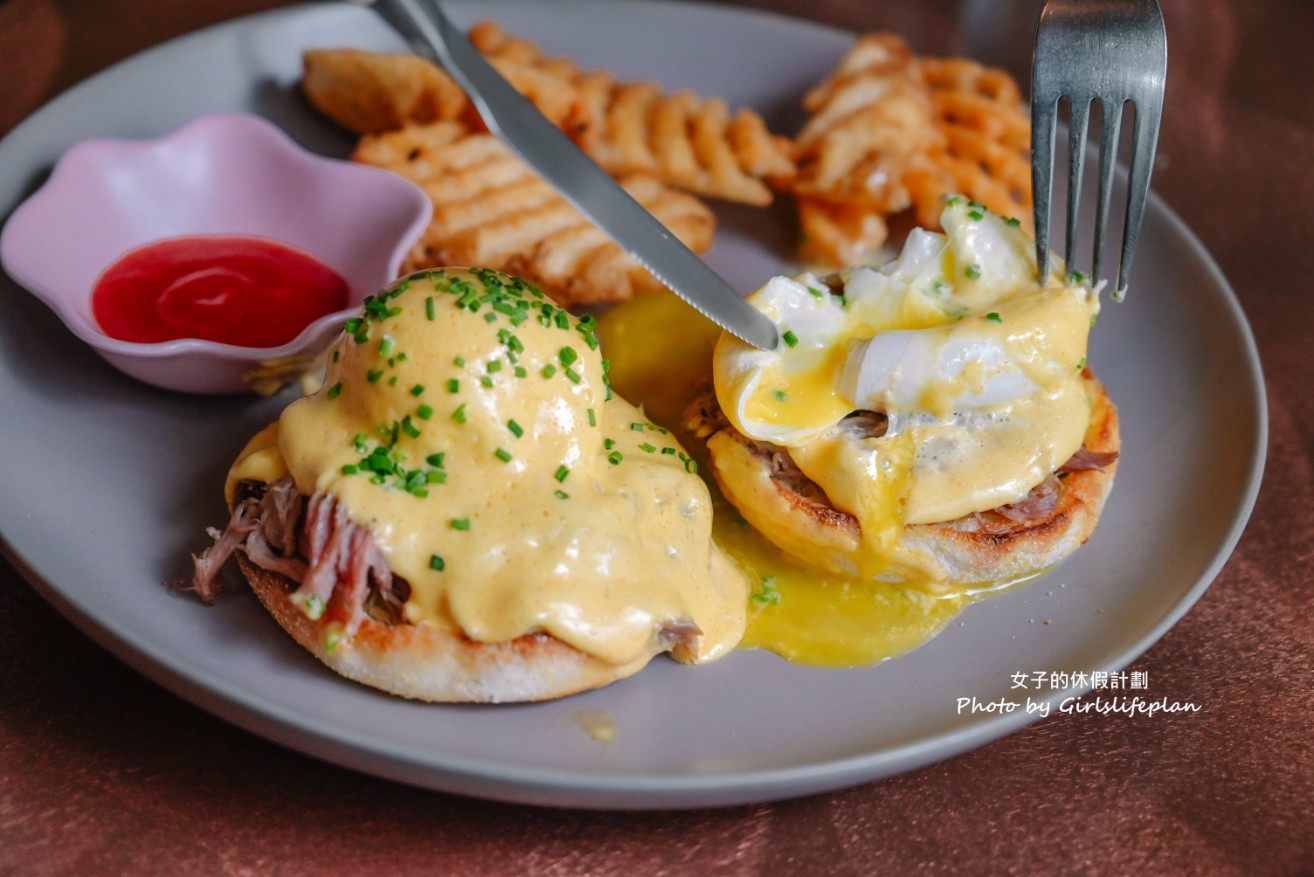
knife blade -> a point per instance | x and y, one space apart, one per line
576 177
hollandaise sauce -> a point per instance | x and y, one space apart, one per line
660 350
468 423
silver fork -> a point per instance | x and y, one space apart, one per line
1114 52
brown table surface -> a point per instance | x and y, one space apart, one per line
103 772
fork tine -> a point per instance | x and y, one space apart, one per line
1145 138
1116 52
1078 119
1112 128
1044 116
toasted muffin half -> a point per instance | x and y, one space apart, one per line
998 545
425 662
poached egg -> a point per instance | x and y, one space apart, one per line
973 363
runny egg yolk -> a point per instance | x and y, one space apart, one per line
975 367
1023 353
801 614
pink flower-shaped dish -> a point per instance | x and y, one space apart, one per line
223 174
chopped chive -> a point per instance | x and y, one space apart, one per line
780 395
437 563
561 494
453 386
334 390
428 307
350 469
562 473
549 370
637 427
459 414
459 362
417 389
670 451
503 455
373 375
516 429
816 293
609 443
386 345
486 381
424 412
435 460
973 272
460 523
647 448
410 428
567 355
789 338
494 366
1082 363
573 376
520 372
994 317
976 214
593 418
615 457
1013 221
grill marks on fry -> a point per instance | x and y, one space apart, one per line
892 133
491 209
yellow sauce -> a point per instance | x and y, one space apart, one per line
976 366
660 350
542 501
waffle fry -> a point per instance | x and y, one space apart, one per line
369 93
890 133
987 149
833 233
871 122
492 210
686 141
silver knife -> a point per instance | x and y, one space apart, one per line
556 158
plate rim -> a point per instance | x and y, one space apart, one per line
257 714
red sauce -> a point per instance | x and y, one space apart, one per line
246 291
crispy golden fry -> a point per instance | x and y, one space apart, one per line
837 234
987 149
491 210
871 123
369 92
890 132
684 140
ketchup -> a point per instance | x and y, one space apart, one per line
247 291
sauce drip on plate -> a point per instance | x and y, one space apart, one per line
250 292
805 616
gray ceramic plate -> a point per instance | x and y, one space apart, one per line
108 484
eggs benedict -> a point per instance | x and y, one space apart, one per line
466 512
931 421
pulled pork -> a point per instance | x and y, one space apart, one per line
331 562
